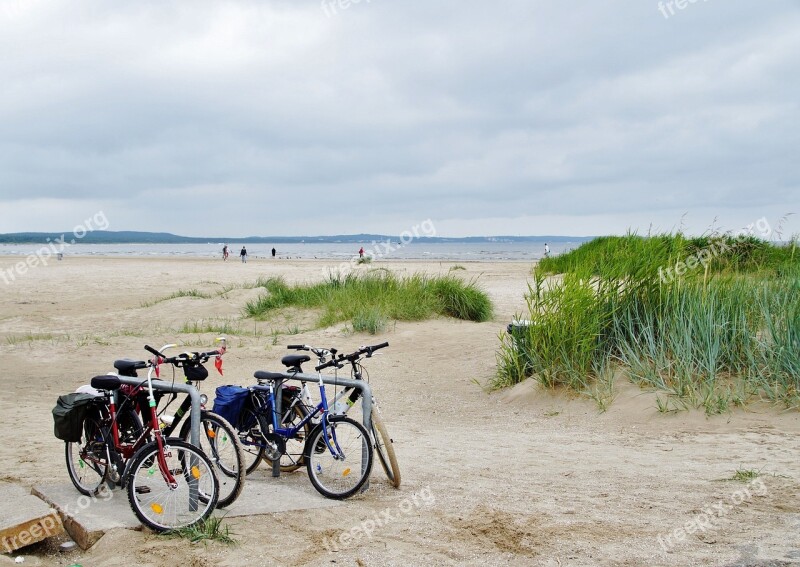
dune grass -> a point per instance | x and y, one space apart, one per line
370 300
720 333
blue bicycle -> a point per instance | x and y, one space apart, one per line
337 451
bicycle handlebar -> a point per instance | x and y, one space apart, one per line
184 357
338 361
368 350
332 362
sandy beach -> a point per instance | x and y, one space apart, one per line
511 477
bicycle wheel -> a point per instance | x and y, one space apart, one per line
292 458
161 507
250 429
220 442
384 447
342 473
87 460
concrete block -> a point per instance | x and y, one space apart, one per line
24 519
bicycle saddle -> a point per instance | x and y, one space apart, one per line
294 360
127 367
107 383
266 375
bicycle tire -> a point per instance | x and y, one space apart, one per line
220 442
250 428
343 477
384 447
87 460
157 505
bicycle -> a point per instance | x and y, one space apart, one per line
170 483
337 452
343 401
218 439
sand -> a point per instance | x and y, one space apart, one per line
514 477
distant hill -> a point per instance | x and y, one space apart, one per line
134 237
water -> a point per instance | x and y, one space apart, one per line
443 251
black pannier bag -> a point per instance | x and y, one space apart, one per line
68 416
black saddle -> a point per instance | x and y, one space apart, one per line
266 375
128 367
294 360
108 383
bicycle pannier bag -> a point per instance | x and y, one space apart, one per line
68 416
229 401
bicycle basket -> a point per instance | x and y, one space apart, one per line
68 416
229 401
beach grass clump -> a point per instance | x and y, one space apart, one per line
210 529
370 300
209 326
369 320
712 337
195 293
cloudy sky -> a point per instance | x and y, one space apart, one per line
306 117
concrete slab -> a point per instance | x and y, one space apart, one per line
24 519
88 518
263 494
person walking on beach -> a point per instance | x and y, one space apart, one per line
273 251
243 254
224 252
546 250
361 252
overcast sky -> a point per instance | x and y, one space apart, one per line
302 117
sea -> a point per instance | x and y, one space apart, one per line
388 250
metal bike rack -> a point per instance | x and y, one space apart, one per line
194 416
366 403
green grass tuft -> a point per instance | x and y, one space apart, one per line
745 475
210 529
370 321
370 300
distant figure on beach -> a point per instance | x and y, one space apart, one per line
273 251
546 250
361 252
225 252
243 254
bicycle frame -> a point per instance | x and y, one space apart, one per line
288 433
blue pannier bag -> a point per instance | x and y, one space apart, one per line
229 401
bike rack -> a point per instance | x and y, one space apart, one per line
366 403
194 416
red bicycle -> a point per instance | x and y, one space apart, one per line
170 483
